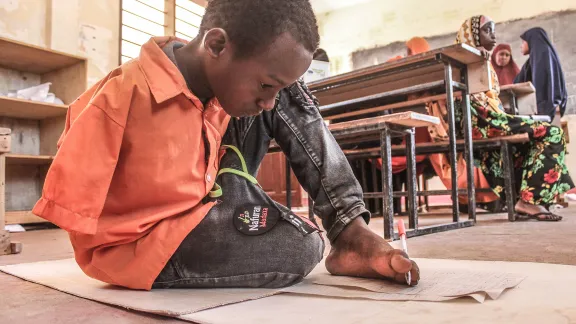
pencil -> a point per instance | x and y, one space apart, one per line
402 234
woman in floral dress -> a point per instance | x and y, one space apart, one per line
544 175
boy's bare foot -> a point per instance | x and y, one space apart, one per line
359 252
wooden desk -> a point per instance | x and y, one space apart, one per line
443 71
519 98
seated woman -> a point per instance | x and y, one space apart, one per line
504 65
543 69
542 160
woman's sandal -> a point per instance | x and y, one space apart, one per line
542 217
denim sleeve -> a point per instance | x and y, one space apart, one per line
317 160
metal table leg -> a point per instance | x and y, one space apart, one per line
506 157
411 181
469 158
452 138
387 198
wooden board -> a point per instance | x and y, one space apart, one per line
68 83
25 135
397 105
24 57
5 247
519 88
23 159
370 81
27 109
50 131
24 184
407 119
22 217
460 52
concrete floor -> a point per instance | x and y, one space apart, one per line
493 238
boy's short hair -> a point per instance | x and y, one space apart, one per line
254 24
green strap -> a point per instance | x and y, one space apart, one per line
217 190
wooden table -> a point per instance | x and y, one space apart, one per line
456 68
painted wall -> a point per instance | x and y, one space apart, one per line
84 27
378 22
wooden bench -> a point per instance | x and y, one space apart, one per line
387 126
502 143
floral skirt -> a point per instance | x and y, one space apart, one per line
540 163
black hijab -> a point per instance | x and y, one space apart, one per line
543 69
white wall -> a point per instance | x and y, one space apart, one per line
378 22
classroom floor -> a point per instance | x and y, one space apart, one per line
493 238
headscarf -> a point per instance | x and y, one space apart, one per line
506 74
418 45
543 69
469 34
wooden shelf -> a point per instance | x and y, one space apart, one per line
27 109
15 55
23 159
22 217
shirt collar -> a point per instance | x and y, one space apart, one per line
163 77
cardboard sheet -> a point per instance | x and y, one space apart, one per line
66 275
545 296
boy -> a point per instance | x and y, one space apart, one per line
136 181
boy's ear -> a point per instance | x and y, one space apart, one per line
216 42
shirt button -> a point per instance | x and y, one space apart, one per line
208 178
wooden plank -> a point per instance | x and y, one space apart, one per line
50 131
408 119
5 247
479 77
23 185
23 159
27 109
398 105
68 83
514 139
460 52
48 24
170 17
16 55
22 217
378 85
519 88
5 143
2 195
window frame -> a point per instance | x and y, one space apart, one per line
169 21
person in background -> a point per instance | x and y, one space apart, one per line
542 160
417 45
504 65
543 69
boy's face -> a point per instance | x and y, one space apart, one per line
247 86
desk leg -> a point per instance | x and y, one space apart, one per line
288 185
452 138
508 179
469 158
412 179
387 199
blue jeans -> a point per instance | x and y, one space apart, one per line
217 254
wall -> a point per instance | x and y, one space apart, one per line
378 22
559 26
84 27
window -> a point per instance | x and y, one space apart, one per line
188 18
142 19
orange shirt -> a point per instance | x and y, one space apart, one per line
131 169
